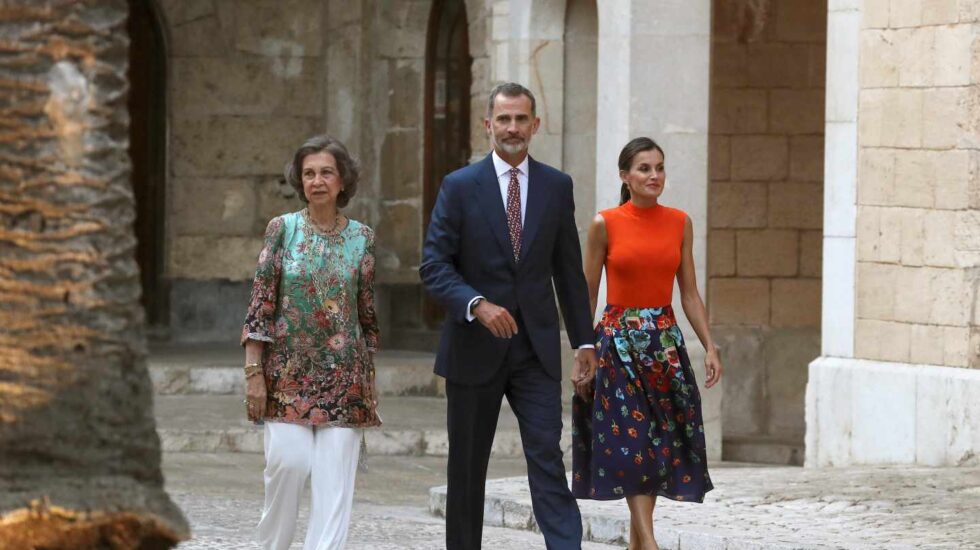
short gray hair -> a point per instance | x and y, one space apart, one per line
347 165
510 89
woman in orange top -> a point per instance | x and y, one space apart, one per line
638 432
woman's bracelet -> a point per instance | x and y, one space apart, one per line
251 369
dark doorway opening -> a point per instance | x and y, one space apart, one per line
147 150
447 108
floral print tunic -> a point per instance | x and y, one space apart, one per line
313 305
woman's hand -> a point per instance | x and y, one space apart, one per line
255 396
583 373
712 367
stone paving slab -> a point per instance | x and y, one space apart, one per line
216 369
412 426
785 508
221 495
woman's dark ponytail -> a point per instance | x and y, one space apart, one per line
624 194
633 148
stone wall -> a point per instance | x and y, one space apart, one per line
245 89
765 207
918 228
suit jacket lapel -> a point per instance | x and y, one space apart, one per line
488 195
537 198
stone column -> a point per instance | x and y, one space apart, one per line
654 81
897 382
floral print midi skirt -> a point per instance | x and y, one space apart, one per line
642 433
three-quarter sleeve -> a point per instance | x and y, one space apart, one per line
260 317
366 314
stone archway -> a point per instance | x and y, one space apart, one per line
147 107
447 108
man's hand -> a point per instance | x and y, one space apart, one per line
583 373
497 319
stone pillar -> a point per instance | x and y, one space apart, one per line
896 383
654 69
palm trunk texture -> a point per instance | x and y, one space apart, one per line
79 454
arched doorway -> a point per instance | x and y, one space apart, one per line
447 107
147 150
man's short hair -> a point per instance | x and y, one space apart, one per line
510 89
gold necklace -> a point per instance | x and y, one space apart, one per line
333 228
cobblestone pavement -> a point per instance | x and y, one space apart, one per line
752 507
221 495
755 507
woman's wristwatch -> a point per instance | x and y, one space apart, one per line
251 369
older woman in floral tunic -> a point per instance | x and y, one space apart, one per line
310 335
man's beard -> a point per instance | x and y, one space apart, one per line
513 148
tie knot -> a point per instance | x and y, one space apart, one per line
514 172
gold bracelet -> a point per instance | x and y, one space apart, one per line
252 369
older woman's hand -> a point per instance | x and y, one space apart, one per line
255 396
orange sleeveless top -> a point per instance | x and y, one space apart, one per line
643 253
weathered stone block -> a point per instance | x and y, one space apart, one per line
788 353
729 62
951 297
283 29
891 118
736 111
928 344
778 65
245 86
401 165
231 258
806 158
913 235
912 294
228 146
956 347
874 14
811 253
940 12
721 253
275 199
879 59
737 204
407 90
876 176
739 301
945 117
769 252
199 28
818 66
939 241
917 56
760 157
905 13
744 407
796 205
796 111
795 303
400 231
719 157
954 51
915 175
876 289
882 340
205 206
801 21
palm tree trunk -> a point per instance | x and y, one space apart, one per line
79 454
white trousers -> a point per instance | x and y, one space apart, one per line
326 455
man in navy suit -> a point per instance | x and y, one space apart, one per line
501 243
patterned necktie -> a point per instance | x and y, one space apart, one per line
514 212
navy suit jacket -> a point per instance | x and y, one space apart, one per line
467 253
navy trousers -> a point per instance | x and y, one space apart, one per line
472 415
